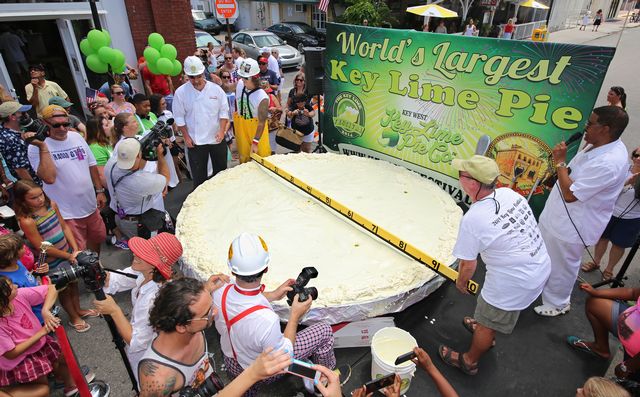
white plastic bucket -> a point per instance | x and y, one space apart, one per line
386 345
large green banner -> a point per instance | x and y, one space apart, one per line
422 99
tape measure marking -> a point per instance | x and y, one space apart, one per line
383 234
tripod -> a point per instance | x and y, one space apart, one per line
320 148
618 280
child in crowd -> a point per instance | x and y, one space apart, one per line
28 352
27 259
11 250
601 387
40 220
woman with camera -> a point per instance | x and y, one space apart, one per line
301 115
152 265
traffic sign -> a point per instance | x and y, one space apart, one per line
226 8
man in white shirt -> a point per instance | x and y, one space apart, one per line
201 112
247 323
74 184
501 228
133 190
581 202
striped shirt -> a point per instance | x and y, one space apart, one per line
50 230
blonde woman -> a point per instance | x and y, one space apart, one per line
118 103
601 387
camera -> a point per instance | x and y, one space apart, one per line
210 387
300 288
88 269
27 124
150 142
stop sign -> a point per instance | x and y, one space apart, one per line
226 8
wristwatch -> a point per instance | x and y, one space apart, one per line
99 190
561 164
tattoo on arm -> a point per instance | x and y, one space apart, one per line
263 110
153 380
148 368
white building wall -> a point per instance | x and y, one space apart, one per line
567 14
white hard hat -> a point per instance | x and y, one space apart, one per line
248 68
193 66
248 255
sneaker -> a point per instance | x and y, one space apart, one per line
111 240
122 245
550 311
89 376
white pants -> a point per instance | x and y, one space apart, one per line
565 265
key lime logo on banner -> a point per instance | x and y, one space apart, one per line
422 99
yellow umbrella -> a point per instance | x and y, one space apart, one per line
432 10
534 4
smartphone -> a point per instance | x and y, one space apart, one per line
405 357
380 383
304 370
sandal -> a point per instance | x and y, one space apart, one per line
550 311
589 267
470 324
459 363
80 328
581 345
607 275
91 313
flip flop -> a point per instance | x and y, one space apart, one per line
589 267
469 324
91 313
581 345
607 275
459 363
80 328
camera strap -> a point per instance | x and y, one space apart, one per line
240 316
119 210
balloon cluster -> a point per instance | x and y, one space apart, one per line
99 55
161 57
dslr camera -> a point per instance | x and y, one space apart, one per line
27 124
149 143
88 269
210 387
300 286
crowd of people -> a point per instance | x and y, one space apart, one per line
76 184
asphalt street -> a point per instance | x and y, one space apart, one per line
96 349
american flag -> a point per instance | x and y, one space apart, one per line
324 4
90 94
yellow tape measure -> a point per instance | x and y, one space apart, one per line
383 234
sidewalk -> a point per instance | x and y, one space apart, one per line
577 36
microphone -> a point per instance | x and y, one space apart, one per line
575 137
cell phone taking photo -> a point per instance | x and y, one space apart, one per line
304 370
380 383
405 357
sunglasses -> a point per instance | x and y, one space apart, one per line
195 77
262 63
635 155
208 317
58 125
299 79
226 77
228 58
118 93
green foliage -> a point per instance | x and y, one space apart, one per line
375 11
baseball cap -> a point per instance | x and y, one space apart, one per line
127 153
161 251
265 49
37 66
481 168
60 101
52 111
263 59
10 107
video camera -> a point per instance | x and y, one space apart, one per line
300 286
27 124
88 269
149 143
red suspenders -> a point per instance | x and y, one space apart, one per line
237 318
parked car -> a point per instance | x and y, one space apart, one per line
298 34
207 23
251 41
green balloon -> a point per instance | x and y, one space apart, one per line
151 55
164 66
96 65
106 54
169 51
106 33
85 47
117 64
156 41
97 39
177 68
153 68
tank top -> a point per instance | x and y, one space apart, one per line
50 230
469 30
193 375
